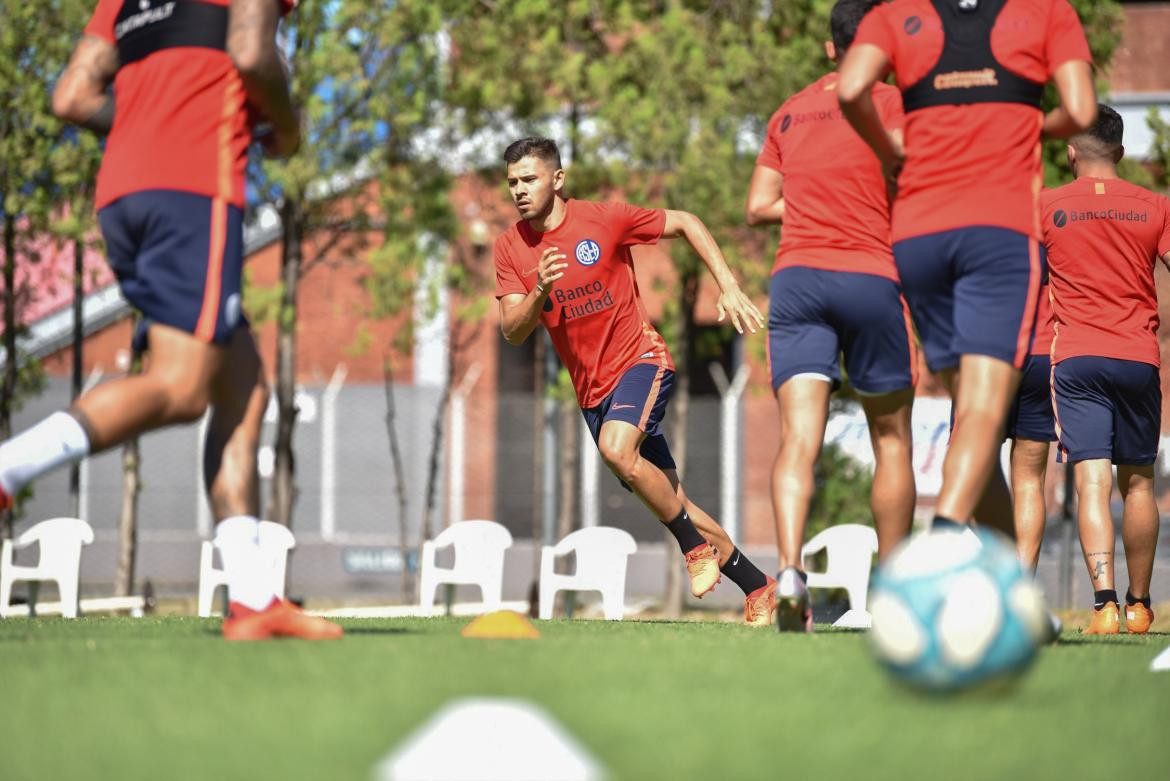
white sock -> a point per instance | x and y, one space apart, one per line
246 567
56 440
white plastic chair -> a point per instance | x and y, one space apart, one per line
850 548
602 555
479 561
60 541
275 540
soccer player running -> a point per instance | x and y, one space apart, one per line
190 79
834 290
566 264
966 220
1104 237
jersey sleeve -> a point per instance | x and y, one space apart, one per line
636 225
507 276
1164 236
769 156
101 24
875 30
1066 37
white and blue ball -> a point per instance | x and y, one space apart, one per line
953 609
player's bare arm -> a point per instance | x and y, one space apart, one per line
864 66
82 93
1078 101
732 301
765 200
251 43
519 315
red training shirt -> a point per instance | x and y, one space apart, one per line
594 312
1103 238
181 120
836 209
973 164
1045 323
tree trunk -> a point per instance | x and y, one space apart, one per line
680 404
283 479
78 344
399 473
128 519
8 382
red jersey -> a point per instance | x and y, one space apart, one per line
1103 238
973 116
594 312
181 120
836 210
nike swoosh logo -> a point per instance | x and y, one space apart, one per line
736 560
622 406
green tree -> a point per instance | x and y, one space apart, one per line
356 71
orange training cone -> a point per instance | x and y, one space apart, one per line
501 624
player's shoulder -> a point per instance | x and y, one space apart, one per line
1049 196
508 240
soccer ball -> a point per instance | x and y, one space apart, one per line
953 609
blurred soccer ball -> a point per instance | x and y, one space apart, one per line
954 609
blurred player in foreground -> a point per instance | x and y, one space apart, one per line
1104 238
834 290
566 264
189 78
966 221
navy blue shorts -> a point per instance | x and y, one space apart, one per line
1107 408
815 315
179 259
639 399
972 291
1030 416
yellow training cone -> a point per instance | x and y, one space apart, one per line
501 624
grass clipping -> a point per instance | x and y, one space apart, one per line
502 624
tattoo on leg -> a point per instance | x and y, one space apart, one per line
1099 570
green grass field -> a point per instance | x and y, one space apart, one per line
167 698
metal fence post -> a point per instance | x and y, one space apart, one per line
328 498
202 508
457 465
730 394
590 472
95 376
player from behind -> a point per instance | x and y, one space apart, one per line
189 77
966 220
566 264
834 290
1104 238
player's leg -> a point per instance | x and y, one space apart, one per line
994 509
1082 400
804 409
1139 534
881 359
1137 426
758 589
1029 468
893 494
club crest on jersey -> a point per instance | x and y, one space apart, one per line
588 252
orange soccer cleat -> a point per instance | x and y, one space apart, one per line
703 567
280 619
1106 621
759 607
1138 619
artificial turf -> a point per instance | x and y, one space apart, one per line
167 698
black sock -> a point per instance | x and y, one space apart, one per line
743 573
1101 597
685 532
1130 599
944 524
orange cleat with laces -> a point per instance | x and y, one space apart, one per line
280 619
1106 621
1138 619
703 567
759 608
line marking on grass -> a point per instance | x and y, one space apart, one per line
476 739
1161 662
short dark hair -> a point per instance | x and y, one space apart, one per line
1103 139
845 19
533 146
